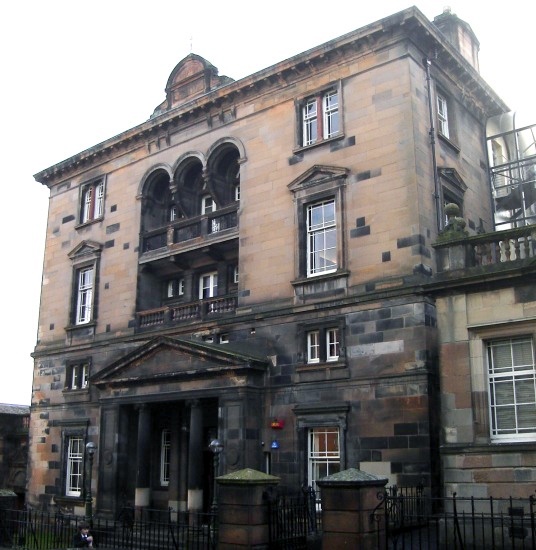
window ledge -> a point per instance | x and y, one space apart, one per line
89 222
449 143
68 501
77 332
321 366
320 372
76 395
303 148
491 447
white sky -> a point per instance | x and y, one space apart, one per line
77 73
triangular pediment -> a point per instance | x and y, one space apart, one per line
317 175
165 358
85 248
453 177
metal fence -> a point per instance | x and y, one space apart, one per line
150 530
413 520
294 520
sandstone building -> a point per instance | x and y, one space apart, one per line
266 261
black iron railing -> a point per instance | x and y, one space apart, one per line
413 520
147 530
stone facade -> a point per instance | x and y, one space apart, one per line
238 259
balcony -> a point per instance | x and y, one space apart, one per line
200 310
491 251
185 234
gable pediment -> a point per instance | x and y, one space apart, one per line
167 358
85 248
318 175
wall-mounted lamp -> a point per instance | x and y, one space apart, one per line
277 424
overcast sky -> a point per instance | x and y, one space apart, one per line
77 73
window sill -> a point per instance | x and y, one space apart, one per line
330 284
71 395
491 447
89 222
69 502
81 331
318 372
303 148
449 143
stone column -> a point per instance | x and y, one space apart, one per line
183 464
351 517
174 459
243 509
195 458
143 478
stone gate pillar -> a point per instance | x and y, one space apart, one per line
349 511
243 509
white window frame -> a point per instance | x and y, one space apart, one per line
207 204
330 102
74 477
92 201
310 122
320 117
165 455
79 374
323 458
442 115
175 287
235 274
320 233
237 192
517 377
313 346
332 344
84 294
208 285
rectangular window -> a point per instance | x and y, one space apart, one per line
165 448
331 114
207 204
84 295
321 238
75 462
332 344
442 116
320 117
323 345
512 389
77 376
313 346
324 456
208 285
92 201
175 288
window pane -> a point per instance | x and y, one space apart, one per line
310 124
322 238
84 296
512 386
331 114
324 453
313 347
75 449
